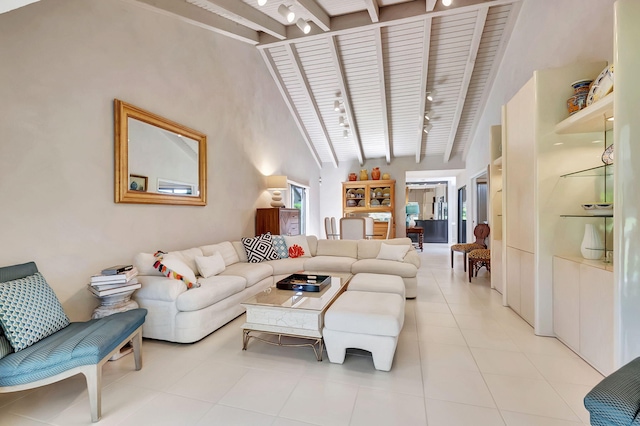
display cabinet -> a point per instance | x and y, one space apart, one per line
374 198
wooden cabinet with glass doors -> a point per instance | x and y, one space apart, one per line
373 198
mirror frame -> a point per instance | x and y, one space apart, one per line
122 112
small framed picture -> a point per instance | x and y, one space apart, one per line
137 183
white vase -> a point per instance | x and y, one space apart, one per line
591 247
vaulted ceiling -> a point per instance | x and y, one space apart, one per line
379 59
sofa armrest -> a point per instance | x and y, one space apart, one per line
412 257
159 288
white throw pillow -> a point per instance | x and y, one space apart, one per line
209 266
300 241
392 252
179 267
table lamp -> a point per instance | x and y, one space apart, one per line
276 184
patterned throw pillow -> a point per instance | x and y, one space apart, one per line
280 245
259 248
29 311
178 272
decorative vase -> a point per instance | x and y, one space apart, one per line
364 175
353 176
375 173
591 247
386 176
412 222
579 99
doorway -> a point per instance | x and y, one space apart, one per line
462 215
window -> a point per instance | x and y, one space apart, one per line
299 200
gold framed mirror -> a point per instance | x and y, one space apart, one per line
157 161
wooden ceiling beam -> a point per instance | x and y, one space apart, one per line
431 4
243 14
383 94
344 90
194 15
318 16
373 9
304 83
466 79
287 99
426 48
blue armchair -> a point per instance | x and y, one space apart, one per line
77 348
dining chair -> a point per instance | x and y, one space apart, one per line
328 232
368 227
334 228
481 232
352 228
389 222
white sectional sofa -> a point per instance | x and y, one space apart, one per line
179 315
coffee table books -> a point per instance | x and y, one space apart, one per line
304 282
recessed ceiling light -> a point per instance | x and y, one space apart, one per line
596 141
559 143
262 2
610 119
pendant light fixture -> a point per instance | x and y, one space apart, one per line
287 13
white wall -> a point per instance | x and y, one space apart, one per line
62 62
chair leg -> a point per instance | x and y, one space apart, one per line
93 375
471 267
451 259
137 349
464 254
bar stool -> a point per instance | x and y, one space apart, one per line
477 259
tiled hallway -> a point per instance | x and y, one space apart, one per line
463 359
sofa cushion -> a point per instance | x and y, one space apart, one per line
209 266
226 249
298 246
240 251
280 246
253 273
344 248
369 249
80 343
329 263
159 288
312 240
212 290
287 266
392 252
391 267
259 248
188 257
29 311
362 312
144 263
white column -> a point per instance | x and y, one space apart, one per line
627 177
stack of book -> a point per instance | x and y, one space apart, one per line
114 280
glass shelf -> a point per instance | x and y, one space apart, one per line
603 170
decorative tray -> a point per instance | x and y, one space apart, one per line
304 282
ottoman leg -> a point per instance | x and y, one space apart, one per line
334 343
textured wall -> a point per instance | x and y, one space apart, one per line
62 64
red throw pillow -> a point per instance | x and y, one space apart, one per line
296 251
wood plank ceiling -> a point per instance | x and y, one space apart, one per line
379 59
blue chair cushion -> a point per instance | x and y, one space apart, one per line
616 399
80 343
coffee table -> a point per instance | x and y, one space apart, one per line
292 313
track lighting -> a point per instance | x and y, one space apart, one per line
303 25
341 121
426 116
262 2
287 13
336 106
345 134
446 3
431 95
427 127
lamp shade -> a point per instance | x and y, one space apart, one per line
276 182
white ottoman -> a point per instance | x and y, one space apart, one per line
377 283
364 320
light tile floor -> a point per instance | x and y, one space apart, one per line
462 359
